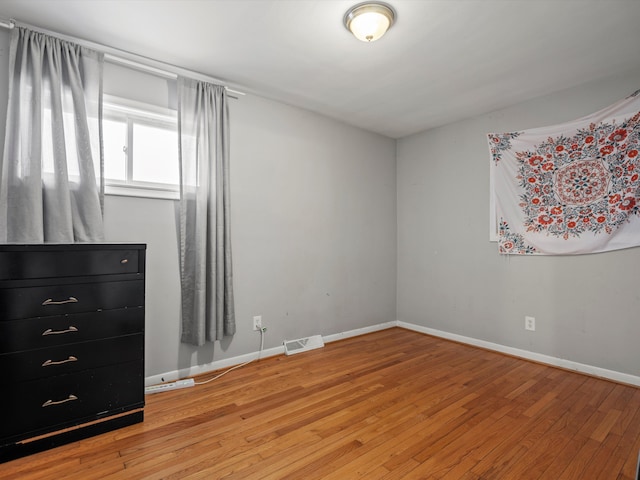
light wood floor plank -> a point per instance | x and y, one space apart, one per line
394 404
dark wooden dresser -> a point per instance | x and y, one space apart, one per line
71 343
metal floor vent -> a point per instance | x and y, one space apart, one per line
303 344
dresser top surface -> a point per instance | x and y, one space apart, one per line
41 247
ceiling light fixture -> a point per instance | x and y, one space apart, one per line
369 21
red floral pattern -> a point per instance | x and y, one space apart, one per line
500 142
586 183
582 182
511 243
572 188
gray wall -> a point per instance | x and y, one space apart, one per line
314 239
313 231
451 278
313 235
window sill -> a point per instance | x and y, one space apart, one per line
128 191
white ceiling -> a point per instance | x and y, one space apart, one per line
442 61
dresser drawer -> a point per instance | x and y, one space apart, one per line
48 362
32 408
54 262
71 342
42 332
26 302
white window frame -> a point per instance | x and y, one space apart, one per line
131 111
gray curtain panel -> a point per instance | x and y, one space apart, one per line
51 187
205 234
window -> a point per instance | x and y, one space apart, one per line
140 149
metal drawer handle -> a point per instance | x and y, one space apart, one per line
49 403
48 331
60 362
124 260
50 301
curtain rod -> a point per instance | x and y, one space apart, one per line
10 24
128 59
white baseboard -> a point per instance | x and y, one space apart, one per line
536 357
270 352
210 367
516 352
359 331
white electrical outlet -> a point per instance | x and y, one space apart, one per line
530 323
257 322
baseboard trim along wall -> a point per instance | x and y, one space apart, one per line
536 357
359 331
516 352
270 352
211 367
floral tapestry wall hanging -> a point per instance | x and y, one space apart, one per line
572 188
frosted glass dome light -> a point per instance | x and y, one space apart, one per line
369 21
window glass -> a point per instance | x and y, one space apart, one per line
115 149
155 154
140 148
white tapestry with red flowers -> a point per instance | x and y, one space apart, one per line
572 188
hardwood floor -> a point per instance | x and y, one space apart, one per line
393 404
